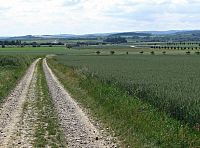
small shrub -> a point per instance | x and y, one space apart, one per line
98 52
112 52
141 52
164 52
127 52
197 52
188 52
152 52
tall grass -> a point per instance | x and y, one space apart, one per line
12 69
135 123
170 83
14 61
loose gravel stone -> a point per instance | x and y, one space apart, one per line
78 129
12 109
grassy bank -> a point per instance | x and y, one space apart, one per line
135 123
12 68
48 132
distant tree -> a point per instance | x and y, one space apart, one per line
13 43
112 52
18 43
188 52
127 52
115 40
98 52
141 52
69 46
152 52
24 43
164 52
34 44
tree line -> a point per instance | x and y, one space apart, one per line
177 47
19 43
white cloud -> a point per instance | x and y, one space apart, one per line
19 17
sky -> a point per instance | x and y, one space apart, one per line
37 17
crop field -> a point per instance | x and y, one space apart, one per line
92 50
11 70
170 83
100 74
129 92
32 50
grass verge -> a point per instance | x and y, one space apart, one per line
48 132
137 124
12 68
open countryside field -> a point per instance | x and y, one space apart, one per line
37 114
99 74
32 51
167 82
122 49
125 94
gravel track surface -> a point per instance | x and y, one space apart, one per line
78 129
12 109
23 136
19 115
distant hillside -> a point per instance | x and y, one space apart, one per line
129 34
191 33
162 32
59 36
27 37
56 36
148 36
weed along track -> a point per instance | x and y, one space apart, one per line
47 130
77 128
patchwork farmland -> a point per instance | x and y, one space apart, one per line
114 95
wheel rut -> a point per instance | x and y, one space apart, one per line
12 109
28 117
77 127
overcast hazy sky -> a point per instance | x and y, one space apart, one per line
20 17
